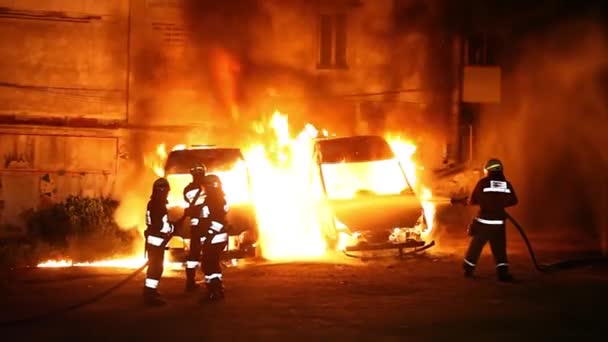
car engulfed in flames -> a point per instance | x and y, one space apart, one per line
228 164
369 203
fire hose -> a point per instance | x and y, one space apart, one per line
75 306
97 297
560 265
102 294
545 268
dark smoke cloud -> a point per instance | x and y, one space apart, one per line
272 48
246 58
551 128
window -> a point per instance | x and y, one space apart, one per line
332 41
481 50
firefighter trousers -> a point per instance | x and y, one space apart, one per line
212 253
156 259
194 254
496 236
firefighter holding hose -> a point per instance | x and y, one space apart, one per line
194 194
492 194
157 233
214 237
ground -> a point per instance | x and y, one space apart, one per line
424 298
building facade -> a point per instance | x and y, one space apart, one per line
88 87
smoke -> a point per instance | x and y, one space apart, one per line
236 62
550 130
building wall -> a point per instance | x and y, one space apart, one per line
63 58
66 127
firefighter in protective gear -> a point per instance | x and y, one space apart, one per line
492 194
194 194
214 237
157 234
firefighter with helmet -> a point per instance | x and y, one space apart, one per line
492 194
194 194
158 230
214 237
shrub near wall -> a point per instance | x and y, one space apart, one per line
79 228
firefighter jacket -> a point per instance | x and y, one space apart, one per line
493 194
157 219
194 195
213 216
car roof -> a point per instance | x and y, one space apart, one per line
180 161
349 137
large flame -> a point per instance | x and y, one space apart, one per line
404 150
286 205
289 207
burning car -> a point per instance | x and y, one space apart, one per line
229 164
367 195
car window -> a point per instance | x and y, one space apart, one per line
353 166
349 180
217 159
353 149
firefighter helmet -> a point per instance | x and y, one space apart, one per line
161 186
213 181
493 165
198 169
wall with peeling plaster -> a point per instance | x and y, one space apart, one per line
66 58
39 167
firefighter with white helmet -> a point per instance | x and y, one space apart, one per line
194 194
492 194
158 229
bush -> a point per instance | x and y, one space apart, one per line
80 229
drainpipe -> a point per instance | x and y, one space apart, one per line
454 121
603 217
470 161
128 66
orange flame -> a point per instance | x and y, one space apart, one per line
156 162
285 203
128 263
404 150
289 209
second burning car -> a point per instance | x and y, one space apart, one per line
367 195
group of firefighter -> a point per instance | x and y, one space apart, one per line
207 209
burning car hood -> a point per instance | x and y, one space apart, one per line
377 212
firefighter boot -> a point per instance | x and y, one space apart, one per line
152 298
215 291
191 284
504 275
468 270
219 289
